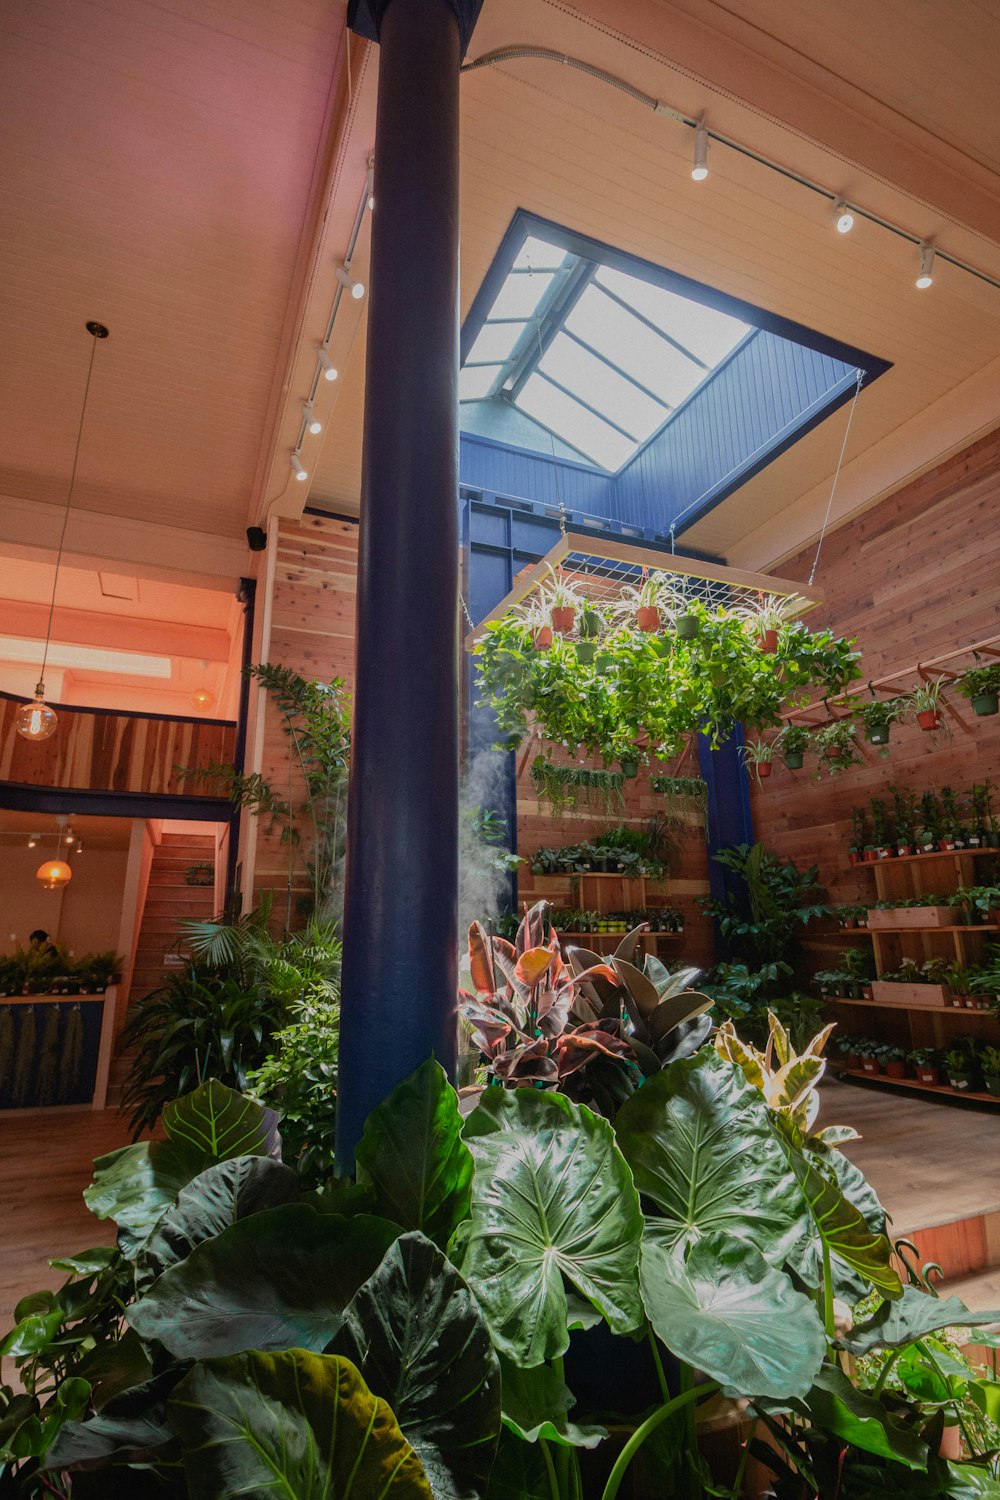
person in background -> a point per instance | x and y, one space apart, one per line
39 943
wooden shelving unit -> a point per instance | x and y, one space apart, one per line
938 1090
917 1023
597 891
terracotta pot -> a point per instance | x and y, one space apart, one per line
882 851
851 1060
562 618
946 845
903 851
929 719
866 992
647 617
930 1076
870 1065
763 769
768 641
895 1069
870 856
542 638
853 857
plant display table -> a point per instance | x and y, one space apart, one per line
55 1051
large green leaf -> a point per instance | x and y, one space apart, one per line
221 1124
841 1226
552 1198
225 1193
137 1184
416 1331
519 1471
835 1405
724 1310
913 1316
278 1280
131 1426
699 1141
297 1425
536 1405
413 1154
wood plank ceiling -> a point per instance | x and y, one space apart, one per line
190 175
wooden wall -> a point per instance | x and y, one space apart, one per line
916 576
312 631
112 752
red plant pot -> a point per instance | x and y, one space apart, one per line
946 845
647 617
563 616
930 1076
882 851
870 1065
853 857
763 769
851 1060
542 638
768 641
867 993
929 719
904 850
869 856
895 1069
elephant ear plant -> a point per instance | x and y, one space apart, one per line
413 1335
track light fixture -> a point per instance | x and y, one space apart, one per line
925 277
842 217
298 468
356 288
370 185
313 423
700 169
330 371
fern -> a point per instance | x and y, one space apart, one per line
48 1062
71 1061
27 1043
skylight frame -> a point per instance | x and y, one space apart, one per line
758 320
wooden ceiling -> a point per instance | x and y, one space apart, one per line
191 174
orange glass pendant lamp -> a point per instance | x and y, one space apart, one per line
53 874
36 720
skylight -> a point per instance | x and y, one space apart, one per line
597 358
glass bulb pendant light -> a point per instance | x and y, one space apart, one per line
36 720
54 874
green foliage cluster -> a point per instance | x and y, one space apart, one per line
404 1335
29 971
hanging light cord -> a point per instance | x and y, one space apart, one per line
69 498
833 487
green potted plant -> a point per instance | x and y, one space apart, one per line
904 818
559 602
930 823
878 717
642 604
926 1065
989 1059
847 1049
859 835
590 632
982 686
836 743
833 981
924 701
793 742
953 830
870 1055
981 802
764 620
683 604
884 847
893 1060
961 1065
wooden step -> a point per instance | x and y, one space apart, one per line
187 841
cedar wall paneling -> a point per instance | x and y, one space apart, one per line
917 575
112 752
312 631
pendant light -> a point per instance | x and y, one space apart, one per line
55 874
36 720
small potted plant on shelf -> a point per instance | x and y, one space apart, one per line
926 1065
981 802
961 1065
860 967
925 703
884 848
893 1060
904 818
833 982
758 754
792 743
981 685
847 1055
870 1055
989 1058
953 831
961 979
930 824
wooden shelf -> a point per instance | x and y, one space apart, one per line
914 1083
909 859
937 1010
973 927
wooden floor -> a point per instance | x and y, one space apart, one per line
930 1164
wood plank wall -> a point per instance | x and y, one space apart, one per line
917 575
312 631
112 752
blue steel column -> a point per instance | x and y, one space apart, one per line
401 890
728 819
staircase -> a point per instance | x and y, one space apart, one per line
169 900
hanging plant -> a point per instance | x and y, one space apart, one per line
558 602
24 1057
981 685
565 786
642 604
925 703
48 1059
71 1061
792 744
879 715
759 755
836 744
682 793
765 619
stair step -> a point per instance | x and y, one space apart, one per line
187 841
